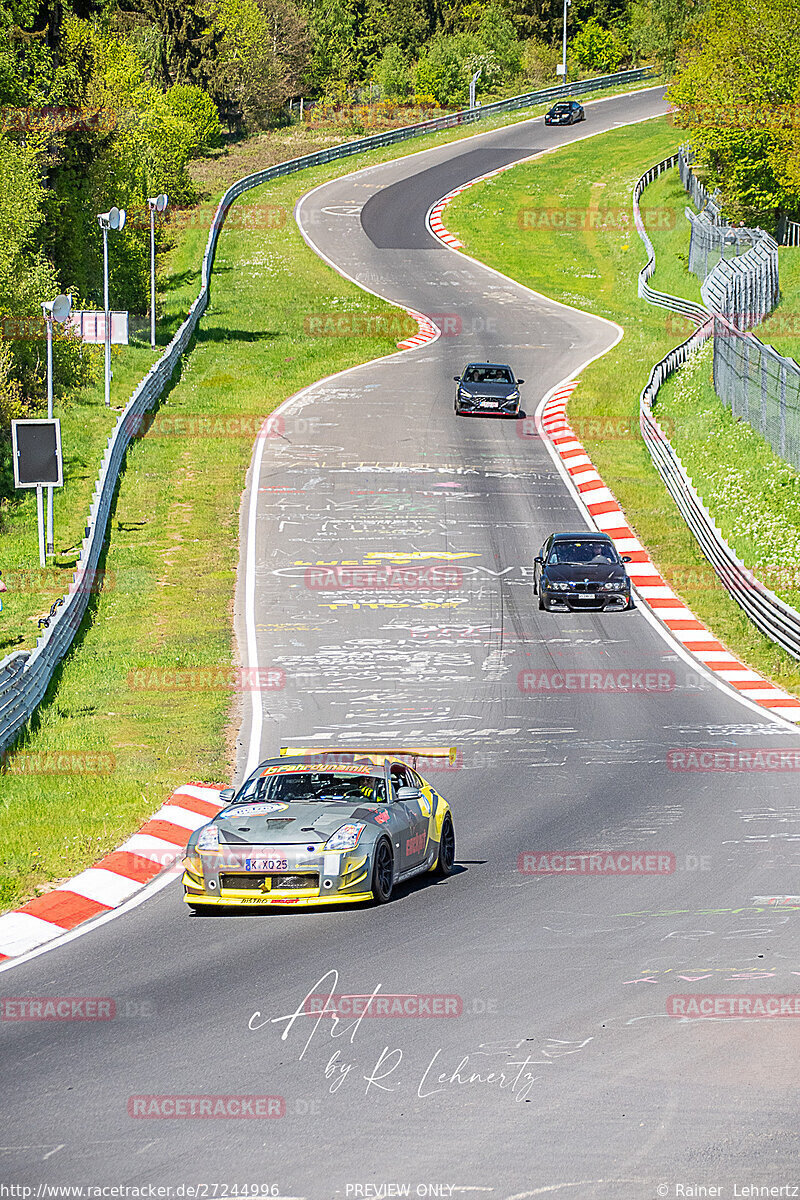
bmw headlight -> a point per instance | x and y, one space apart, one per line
345 838
615 587
209 838
556 586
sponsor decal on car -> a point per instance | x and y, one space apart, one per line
253 810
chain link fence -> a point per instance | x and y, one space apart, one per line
760 386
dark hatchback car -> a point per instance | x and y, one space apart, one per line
565 112
581 572
487 389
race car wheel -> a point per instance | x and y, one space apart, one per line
542 604
382 873
446 861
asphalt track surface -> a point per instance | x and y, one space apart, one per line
561 983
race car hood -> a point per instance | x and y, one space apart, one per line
588 572
293 823
498 390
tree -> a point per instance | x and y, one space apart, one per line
597 49
441 73
393 74
658 29
736 91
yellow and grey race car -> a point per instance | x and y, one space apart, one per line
323 825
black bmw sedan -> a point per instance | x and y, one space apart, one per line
565 112
487 389
580 572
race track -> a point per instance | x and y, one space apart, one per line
557 987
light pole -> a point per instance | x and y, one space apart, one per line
53 310
113 219
155 204
564 59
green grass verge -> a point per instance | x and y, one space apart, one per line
173 546
755 495
86 423
595 267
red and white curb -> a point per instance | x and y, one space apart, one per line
159 844
428 332
434 218
650 585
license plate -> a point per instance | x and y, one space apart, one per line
586 596
267 863
490 404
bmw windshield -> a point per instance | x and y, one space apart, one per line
582 553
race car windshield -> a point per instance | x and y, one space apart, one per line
327 787
488 375
561 108
575 553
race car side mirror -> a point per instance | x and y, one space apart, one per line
538 559
408 793
520 381
226 795
626 558
457 378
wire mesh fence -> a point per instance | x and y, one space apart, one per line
760 386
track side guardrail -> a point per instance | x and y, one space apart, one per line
773 616
25 676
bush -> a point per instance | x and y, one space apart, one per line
597 49
198 112
393 74
440 73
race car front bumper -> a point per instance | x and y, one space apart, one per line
300 879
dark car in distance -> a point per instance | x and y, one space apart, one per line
487 388
581 572
565 112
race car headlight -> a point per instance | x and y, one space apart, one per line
209 838
615 587
462 391
513 395
556 586
345 838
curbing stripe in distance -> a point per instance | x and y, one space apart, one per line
650 585
157 847
600 503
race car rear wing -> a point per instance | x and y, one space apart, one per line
415 752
